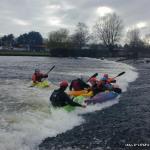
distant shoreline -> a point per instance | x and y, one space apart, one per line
47 54
23 53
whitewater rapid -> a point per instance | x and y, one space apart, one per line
26 116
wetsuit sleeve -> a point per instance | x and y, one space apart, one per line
44 75
34 78
111 80
70 101
83 84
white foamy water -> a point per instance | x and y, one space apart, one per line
26 118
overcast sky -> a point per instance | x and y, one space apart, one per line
20 16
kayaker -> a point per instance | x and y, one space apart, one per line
59 98
38 76
104 85
78 84
98 86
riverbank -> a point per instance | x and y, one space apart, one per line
23 53
122 126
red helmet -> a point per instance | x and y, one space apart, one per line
93 79
63 84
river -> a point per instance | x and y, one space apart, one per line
25 116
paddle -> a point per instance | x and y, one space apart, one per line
94 75
50 69
112 80
120 74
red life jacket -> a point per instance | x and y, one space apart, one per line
37 77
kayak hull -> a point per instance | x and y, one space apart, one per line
102 97
43 84
78 99
99 98
81 93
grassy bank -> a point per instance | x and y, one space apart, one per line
22 53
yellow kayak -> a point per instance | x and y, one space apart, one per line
43 84
80 93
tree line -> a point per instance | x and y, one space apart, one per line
29 41
103 40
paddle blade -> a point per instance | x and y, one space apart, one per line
120 74
94 75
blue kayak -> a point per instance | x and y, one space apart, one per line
102 97
99 98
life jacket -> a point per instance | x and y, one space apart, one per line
102 87
56 98
78 85
38 77
59 99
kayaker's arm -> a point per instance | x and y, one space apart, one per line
111 80
44 75
83 84
71 102
34 78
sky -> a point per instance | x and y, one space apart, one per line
44 16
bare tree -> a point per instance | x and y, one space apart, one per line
58 39
108 30
81 35
135 42
147 40
134 39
